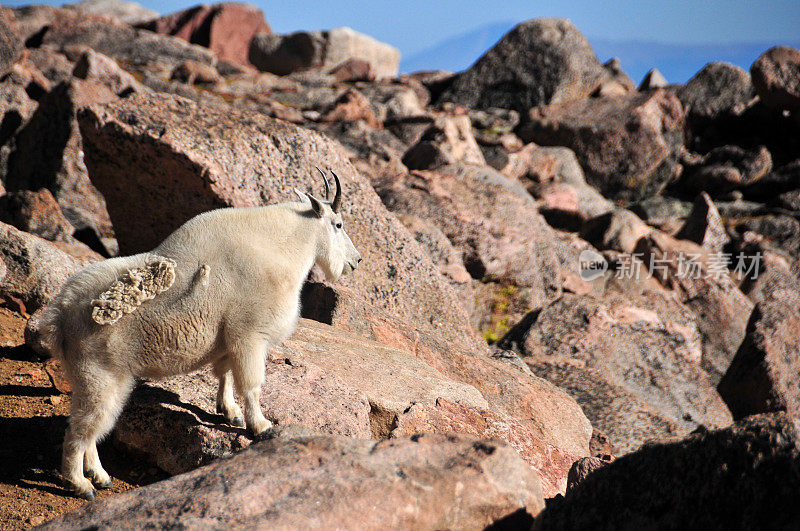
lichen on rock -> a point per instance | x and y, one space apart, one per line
137 286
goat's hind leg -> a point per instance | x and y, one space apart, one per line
96 402
226 403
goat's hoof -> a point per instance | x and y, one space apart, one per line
237 422
266 435
107 484
88 495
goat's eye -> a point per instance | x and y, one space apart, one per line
339 225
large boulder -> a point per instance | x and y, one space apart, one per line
138 50
554 175
431 482
646 344
175 159
717 91
541 61
447 141
11 45
226 28
338 384
16 108
776 77
49 155
491 219
704 225
746 476
127 12
321 377
727 168
765 374
628 145
36 213
695 275
32 269
284 54
551 463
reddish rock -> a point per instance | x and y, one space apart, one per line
192 72
554 173
721 309
446 417
12 324
648 345
31 268
49 154
619 229
628 145
353 70
11 45
172 424
16 108
447 141
704 226
351 106
547 411
541 61
581 469
765 374
53 65
426 482
776 77
718 91
127 12
728 168
57 377
37 213
518 262
25 74
226 28
626 419
619 84
140 51
97 67
444 255
782 231
697 277
321 377
490 219
746 476
284 54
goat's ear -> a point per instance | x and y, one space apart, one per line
302 195
316 205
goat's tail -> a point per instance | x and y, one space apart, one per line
50 331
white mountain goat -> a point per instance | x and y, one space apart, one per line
220 290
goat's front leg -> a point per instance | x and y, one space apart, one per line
226 404
247 366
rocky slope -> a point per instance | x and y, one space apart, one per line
559 268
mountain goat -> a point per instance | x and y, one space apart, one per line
220 290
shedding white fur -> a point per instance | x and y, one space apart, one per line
137 286
220 290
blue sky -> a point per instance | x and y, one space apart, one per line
414 25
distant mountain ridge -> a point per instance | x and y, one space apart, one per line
678 62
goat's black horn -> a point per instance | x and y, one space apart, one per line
337 198
327 185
